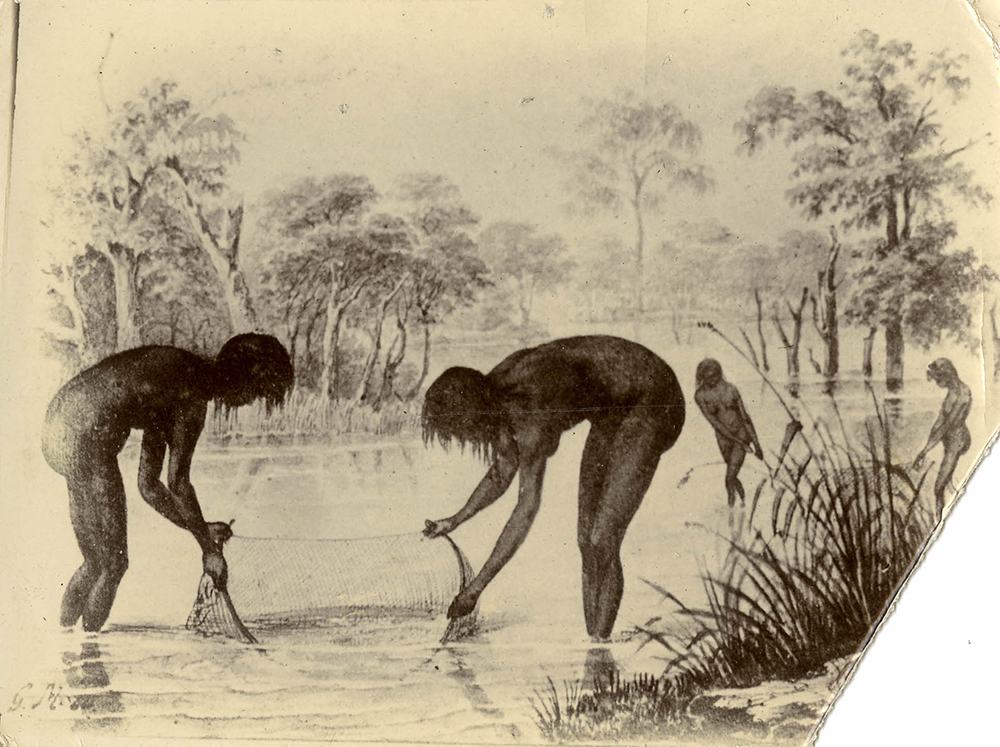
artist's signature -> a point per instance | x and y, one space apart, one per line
51 697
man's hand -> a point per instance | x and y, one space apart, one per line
918 460
462 604
215 566
439 527
219 532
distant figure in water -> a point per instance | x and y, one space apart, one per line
721 404
164 392
949 428
514 417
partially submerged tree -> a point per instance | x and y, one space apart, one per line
636 150
791 339
929 287
873 151
824 309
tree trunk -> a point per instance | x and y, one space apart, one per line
792 360
996 342
425 367
242 315
64 286
831 366
224 257
124 265
340 298
866 360
640 242
760 330
824 309
223 251
829 327
525 298
792 344
894 349
675 325
393 360
750 350
364 386
329 379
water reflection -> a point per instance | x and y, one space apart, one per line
86 672
599 669
894 412
830 386
480 701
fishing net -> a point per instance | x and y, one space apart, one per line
277 584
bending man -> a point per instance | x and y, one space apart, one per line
164 392
514 417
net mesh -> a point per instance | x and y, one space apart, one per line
282 583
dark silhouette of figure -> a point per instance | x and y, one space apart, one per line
949 428
164 392
721 404
514 417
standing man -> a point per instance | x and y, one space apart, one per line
949 429
721 404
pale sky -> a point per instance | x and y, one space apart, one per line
473 90
384 88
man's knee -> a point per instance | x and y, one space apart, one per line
88 572
598 548
114 564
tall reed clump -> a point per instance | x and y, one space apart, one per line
808 582
305 415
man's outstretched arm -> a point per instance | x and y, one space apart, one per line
511 538
489 490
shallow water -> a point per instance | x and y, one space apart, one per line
146 676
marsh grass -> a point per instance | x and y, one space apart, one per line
306 416
808 582
802 582
613 709
810 585
807 571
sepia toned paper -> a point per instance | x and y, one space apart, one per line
582 202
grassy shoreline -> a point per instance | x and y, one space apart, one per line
810 569
307 418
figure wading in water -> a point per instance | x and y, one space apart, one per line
721 404
949 428
514 417
164 392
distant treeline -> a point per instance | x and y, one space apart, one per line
353 276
